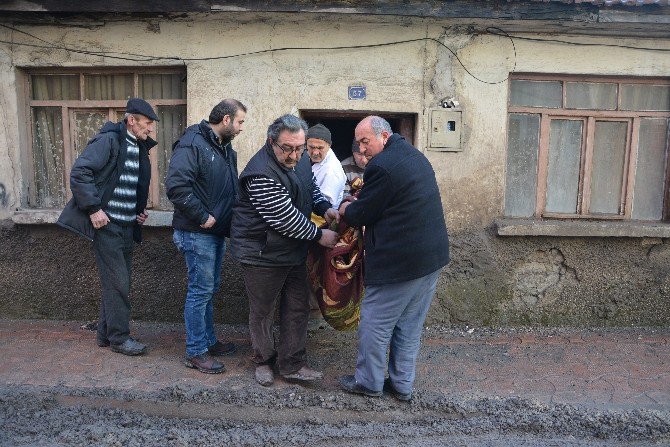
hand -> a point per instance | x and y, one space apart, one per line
331 215
142 217
210 222
344 206
328 238
348 199
99 219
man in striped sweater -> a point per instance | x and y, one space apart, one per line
110 187
270 232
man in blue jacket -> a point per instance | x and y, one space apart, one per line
110 187
202 184
406 246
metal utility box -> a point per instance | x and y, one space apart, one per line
444 133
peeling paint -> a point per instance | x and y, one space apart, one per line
539 280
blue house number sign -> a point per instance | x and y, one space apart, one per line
356 92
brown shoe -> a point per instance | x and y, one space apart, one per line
304 374
205 363
264 375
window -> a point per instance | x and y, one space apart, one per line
67 108
586 147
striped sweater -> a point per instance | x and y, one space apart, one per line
121 207
273 203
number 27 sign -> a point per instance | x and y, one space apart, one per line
356 92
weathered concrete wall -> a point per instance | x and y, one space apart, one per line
10 175
47 272
554 281
492 280
535 280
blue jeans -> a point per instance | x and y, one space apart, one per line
204 256
393 313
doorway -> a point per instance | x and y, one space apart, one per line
342 124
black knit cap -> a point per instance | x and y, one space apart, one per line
320 132
138 105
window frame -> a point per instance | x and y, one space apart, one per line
590 117
72 105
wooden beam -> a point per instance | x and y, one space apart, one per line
558 17
102 6
517 10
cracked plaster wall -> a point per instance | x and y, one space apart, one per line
491 280
9 154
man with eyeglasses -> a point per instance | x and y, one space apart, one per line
271 230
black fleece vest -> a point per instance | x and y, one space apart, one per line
252 240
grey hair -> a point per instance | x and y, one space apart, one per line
286 122
379 125
125 117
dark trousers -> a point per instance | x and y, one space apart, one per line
113 247
264 286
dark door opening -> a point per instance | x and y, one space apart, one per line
342 124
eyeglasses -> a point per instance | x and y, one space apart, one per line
288 150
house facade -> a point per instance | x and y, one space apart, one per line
546 123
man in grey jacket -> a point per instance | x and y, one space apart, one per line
202 184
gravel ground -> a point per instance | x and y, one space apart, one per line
237 412
297 416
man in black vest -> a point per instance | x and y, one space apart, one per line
270 232
110 187
406 246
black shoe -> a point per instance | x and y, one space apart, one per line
205 363
219 348
388 387
102 343
351 386
129 347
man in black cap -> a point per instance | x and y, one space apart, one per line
326 167
110 186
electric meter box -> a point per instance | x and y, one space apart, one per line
445 130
